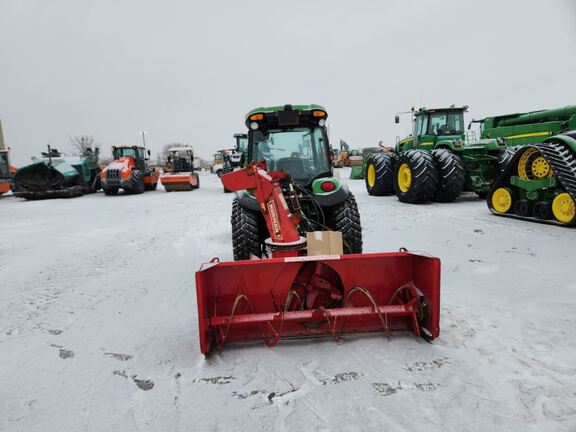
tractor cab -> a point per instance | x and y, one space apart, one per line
180 159
433 125
292 139
4 165
241 142
139 154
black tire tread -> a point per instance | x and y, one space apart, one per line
451 175
246 238
424 176
384 166
345 218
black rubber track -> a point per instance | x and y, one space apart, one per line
424 176
384 166
563 163
345 218
451 175
246 238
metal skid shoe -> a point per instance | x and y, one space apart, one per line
300 297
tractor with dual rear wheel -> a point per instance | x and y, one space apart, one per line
437 162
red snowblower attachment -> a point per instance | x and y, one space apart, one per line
297 296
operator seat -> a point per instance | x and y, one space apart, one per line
294 166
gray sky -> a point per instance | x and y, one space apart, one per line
187 71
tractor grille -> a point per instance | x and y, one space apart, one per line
113 177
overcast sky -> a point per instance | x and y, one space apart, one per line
187 71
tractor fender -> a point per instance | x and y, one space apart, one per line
568 138
333 198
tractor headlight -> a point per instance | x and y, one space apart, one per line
321 122
254 126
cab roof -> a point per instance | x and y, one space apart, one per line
277 108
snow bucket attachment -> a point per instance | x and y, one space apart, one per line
179 181
301 297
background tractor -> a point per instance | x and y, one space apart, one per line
437 161
358 172
540 181
293 139
130 171
179 172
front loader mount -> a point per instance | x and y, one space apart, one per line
300 297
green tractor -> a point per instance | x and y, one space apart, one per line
437 162
539 183
294 139
358 172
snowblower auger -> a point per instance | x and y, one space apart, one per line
296 296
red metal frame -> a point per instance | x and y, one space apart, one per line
246 300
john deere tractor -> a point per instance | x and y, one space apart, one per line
293 139
540 181
436 162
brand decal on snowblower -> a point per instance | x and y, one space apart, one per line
274 218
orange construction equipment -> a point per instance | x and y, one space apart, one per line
179 172
7 171
293 295
129 171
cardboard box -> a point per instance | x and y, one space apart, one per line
324 243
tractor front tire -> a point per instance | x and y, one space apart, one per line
415 177
110 191
451 175
345 218
246 238
379 174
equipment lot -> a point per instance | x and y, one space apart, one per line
98 326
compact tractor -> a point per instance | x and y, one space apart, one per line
179 172
282 195
539 183
55 175
293 139
129 171
236 158
437 162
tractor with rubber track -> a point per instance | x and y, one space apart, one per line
539 184
129 171
437 162
293 139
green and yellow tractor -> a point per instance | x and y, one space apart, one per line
294 139
539 183
437 161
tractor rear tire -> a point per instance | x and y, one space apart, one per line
379 174
246 237
345 218
451 175
110 191
419 177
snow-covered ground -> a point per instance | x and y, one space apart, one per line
98 328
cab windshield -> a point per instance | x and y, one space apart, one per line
446 123
128 152
301 152
218 157
242 144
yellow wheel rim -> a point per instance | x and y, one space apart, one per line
502 200
563 208
371 175
532 165
404 177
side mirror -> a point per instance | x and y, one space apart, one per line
148 151
396 119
